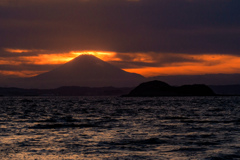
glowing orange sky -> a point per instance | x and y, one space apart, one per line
208 64
201 64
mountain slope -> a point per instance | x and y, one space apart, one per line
85 70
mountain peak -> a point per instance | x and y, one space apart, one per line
89 65
85 60
86 70
88 57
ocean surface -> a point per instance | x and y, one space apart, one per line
167 128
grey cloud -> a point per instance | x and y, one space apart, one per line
27 67
5 54
130 64
179 26
158 60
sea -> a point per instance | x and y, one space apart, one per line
161 128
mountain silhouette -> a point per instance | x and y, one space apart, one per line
84 70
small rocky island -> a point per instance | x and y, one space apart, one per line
159 88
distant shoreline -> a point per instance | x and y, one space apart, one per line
95 91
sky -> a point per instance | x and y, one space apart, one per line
149 37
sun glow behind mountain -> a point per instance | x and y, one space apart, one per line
26 60
27 63
65 57
105 56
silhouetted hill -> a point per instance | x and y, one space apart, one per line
85 70
158 88
18 91
65 91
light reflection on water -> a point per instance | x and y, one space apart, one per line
119 128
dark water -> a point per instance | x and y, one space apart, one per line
120 128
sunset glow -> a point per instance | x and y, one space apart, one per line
105 56
65 57
17 50
23 73
191 64
53 58
207 64
84 79
45 59
148 37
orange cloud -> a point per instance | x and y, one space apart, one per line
46 59
105 56
65 57
12 61
163 64
17 50
21 74
206 64
57 58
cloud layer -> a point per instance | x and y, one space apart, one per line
179 26
158 31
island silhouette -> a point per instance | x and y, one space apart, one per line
158 88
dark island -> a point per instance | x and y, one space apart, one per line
159 88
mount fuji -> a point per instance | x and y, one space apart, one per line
84 70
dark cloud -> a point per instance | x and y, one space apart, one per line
27 67
130 64
151 60
5 54
179 26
